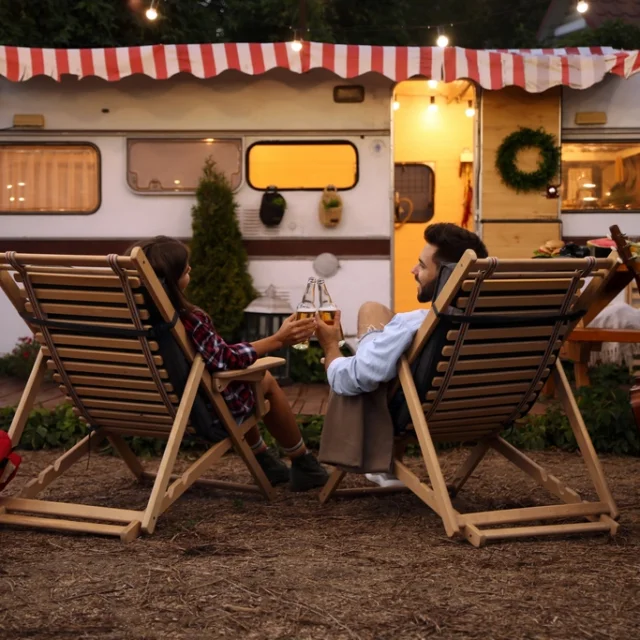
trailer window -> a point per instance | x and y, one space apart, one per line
49 178
415 190
175 166
302 165
601 176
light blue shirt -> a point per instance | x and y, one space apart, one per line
377 357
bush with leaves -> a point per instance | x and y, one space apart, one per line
220 280
19 362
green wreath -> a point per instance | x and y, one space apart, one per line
547 166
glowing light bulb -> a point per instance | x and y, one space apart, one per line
442 41
433 107
432 84
582 7
396 105
296 46
470 110
151 13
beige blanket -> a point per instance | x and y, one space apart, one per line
357 435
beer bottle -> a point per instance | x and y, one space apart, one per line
306 308
326 308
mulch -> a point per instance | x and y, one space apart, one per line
224 565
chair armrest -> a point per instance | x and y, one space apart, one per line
263 364
254 373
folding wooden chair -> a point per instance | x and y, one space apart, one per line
476 365
102 322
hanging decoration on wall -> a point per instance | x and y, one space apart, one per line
272 207
330 207
548 166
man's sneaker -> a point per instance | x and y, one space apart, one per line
386 480
276 471
307 473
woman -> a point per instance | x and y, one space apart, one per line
169 258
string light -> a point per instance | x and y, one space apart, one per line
433 107
442 40
470 110
296 43
432 84
152 13
582 7
396 105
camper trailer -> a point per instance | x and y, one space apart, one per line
102 147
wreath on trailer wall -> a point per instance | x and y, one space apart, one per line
548 165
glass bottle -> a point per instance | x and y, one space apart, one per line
326 307
306 309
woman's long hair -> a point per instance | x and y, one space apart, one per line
169 258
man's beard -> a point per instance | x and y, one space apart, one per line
425 294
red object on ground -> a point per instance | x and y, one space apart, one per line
9 460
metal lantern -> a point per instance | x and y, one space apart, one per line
262 318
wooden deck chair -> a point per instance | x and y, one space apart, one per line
106 327
476 365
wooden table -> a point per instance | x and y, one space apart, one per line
583 341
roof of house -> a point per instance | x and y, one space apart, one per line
534 70
600 11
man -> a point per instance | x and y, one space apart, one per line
382 336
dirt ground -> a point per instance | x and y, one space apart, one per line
232 566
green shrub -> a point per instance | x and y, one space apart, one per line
220 280
19 362
306 367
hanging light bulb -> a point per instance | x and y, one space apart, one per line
396 105
432 84
433 107
152 13
442 40
583 6
470 110
296 44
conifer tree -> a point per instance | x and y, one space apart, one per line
220 280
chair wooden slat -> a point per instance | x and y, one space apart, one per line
107 369
482 391
487 349
539 285
491 364
71 279
97 355
113 382
115 405
491 401
85 295
126 344
86 310
122 394
515 303
504 334
487 378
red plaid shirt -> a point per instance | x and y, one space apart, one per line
220 356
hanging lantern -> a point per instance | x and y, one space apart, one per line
262 318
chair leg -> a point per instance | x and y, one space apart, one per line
61 465
468 467
332 485
429 455
27 399
158 493
583 439
129 458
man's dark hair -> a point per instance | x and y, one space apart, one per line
452 241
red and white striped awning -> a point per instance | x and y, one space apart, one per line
534 70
